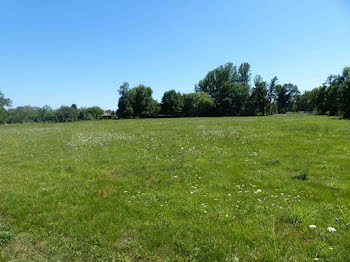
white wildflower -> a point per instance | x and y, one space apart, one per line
312 226
331 229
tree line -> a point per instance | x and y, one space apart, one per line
332 98
227 90
25 114
224 91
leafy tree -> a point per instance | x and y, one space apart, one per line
228 87
172 104
198 104
215 79
332 98
304 102
66 114
272 95
46 114
142 102
136 102
23 114
244 74
232 99
258 98
344 104
94 112
286 96
4 102
125 109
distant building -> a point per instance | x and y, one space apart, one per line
108 115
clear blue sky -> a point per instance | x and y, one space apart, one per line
80 51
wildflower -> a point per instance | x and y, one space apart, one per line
229 194
257 191
331 248
316 259
312 226
205 211
331 229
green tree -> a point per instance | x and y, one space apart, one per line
286 96
95 112
24 114
66 114
228 87
215 79
259 98
143 104
232 99
244 74
198 104
344 104
172 104
272 95
125 109
4 103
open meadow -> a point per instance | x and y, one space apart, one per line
273 188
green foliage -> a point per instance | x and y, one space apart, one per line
259 99
172 104
233 95
136 102
198 104
303 175
96 112
332 98
66 114
344 105
4 102
5 237
286 97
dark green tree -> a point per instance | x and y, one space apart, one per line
198 104
344 105
94 112
272 95
125 109
4 103
259 98
286 96
66 114
172 104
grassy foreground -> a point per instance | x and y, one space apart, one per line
197 189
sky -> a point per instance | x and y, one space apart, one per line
81 51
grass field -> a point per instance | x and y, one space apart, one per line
196 189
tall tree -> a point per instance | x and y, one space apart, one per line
125 109
345 93
198 104
215 79
244 74
272 94
286 96
172 104
4 102
259 98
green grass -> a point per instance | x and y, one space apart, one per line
176 190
